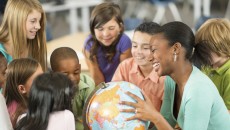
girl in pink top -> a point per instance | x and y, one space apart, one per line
19 76
49 104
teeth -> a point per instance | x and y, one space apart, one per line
156 64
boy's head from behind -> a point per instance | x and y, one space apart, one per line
65 60
3 66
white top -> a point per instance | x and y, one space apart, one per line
60 120
5 123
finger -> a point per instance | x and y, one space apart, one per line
135 97
132 104
146 98
131 118
128 110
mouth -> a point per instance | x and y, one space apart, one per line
33 32
139 58
156 66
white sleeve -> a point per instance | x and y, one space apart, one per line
4 115
70 122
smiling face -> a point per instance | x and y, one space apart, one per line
71 68
33 24
162 55
141 48
108 33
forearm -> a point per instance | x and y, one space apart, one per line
160 123
98 78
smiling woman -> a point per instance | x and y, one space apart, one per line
22 32
184 104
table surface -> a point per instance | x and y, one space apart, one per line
74 41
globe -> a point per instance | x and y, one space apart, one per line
103 109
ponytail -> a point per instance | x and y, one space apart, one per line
201 55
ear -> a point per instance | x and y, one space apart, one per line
21 89
176 48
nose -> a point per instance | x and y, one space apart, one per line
150 58
37 26
106 32
71 77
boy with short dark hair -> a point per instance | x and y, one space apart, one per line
65 60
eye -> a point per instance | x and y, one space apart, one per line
146 47
100 29
111 28
134 46
153 50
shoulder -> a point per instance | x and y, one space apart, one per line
127 62
124 39
88 42
68 113
86 82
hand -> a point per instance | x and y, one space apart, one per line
144 109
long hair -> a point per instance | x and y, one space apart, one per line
13 30
101 14
18 72
50 92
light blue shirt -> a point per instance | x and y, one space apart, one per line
202 108
6 55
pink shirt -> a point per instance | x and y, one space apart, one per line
152 85
12 109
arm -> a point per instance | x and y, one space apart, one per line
94 69
119 73
4 116
126 54
226 90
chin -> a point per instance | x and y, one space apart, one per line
31 37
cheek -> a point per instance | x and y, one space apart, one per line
97 33
133 51
146 52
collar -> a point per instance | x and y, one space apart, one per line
152 76
82 85
222 69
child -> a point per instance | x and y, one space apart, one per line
138 69
19 77
107 45
216 34
3 65
22 32
65 60
49 104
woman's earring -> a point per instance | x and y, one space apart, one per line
175 57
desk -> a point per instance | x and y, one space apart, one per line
72 6
75 41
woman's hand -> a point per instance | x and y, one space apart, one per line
143 109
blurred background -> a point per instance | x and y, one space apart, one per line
70 16
68 20
66 17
